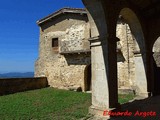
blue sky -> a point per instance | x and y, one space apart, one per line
19 33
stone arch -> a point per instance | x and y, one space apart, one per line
130 17
87 78
140 83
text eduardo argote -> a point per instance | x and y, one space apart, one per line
128 113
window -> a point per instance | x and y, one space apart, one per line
55 42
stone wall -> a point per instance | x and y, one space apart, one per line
125 58
156 56
131 67
156 45
75 39
64 71
13 85
156 52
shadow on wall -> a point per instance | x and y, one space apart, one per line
14 85
120 57
78 59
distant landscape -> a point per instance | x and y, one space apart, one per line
17 75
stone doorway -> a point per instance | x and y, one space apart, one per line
87 79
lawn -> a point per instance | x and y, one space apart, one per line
46 104
124 98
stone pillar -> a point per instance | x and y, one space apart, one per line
140 76
112 76
103 57
104 75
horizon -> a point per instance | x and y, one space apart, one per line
16 72
19 34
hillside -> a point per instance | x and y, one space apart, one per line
17 75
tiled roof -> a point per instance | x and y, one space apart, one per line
61 11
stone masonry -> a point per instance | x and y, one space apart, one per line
125 58
156 51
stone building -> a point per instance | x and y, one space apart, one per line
64 50
65 55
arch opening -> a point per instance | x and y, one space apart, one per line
132 70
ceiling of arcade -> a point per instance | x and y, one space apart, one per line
148 8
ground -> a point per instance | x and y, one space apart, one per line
47 104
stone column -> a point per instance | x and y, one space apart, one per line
112 76
140 76
103 57
104 75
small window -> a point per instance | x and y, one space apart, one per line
55 42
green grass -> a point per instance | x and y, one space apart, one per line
46 104
124 98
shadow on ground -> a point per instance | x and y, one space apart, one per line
144 109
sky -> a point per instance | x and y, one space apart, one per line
19 33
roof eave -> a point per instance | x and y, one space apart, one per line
62 11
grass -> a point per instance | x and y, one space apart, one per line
124 98
46 104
